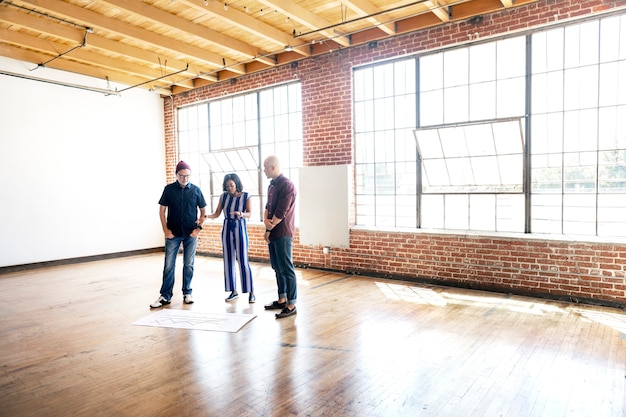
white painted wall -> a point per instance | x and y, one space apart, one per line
81 173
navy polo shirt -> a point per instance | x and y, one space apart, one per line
182 207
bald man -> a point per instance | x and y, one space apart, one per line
279 219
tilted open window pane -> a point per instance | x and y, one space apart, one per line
484 157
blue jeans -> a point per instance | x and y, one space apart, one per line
171 252
281 261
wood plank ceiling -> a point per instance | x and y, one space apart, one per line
173 46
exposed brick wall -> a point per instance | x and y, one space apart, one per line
587 272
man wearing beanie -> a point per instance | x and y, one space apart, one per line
179 205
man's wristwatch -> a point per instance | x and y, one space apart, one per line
198 227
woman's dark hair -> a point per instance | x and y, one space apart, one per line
235 179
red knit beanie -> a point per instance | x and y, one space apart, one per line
182 165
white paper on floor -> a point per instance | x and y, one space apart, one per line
187 319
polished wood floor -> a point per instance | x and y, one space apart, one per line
358 346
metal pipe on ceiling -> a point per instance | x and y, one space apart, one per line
104 91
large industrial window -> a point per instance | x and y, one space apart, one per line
235 134
579 129
385 160
472 164
472 176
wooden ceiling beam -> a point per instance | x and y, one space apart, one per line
70 66
249 24
84 56
182 25
294 11
439 10
366 8
141 57
75 13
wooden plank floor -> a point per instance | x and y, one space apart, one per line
359 346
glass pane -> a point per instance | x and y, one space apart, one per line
590 42
485 170
405 79
203 138
511 57
385 211
385 179
579 214
581 130
539 96
539 53
383 113
609 79
546 179
480 140
435 174
460 171
609 36
405 112
431 108
621 85
482 212
483 101
384 146
612 172
457 212
383 87
572 46
546 213
363 116
455 64
554 91
611 220
363 84
183 141
510 213
406 180
589 86
482 63
508 137
511 98
432 212
266 103
555 49
428 143
405 146
364 148
456 104
608 120
511 169
431 72
453 142
366 179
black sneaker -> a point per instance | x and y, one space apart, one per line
275 305
286 313
251 298
232 297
